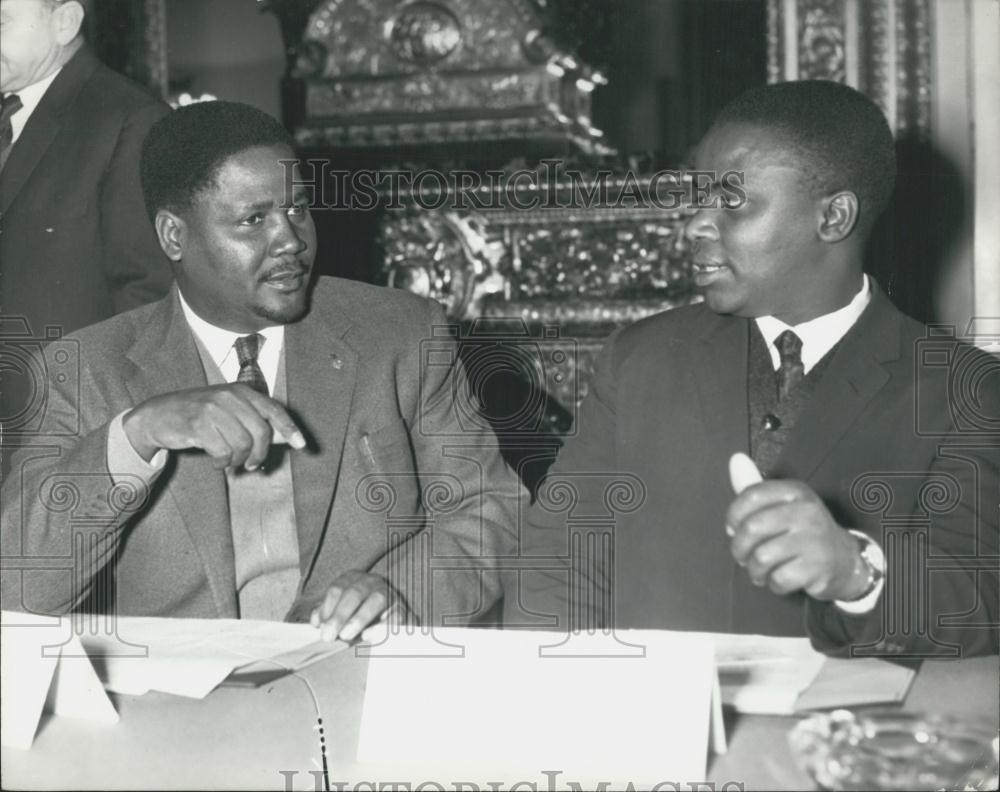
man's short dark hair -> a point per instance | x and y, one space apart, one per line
184 150
841 136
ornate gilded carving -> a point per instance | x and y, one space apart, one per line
891 49
424 33
386 72
584 264
821 41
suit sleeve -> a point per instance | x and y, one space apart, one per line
63 515
942 589
566 556
135 266
470 496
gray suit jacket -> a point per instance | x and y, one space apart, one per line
399 468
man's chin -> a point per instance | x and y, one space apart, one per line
285 311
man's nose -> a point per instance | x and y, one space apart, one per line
701 226
288 239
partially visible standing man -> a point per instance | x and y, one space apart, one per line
75 244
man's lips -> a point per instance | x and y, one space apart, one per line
286 279
707 270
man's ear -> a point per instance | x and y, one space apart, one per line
68 19
840 216
170 230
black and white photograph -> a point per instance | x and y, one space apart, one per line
500 395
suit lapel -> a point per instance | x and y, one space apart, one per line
166 360
853 378
321 371
721 374
44 125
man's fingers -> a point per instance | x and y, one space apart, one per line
359 600
279 419
788 577
369 611
760 496
767 556
233 429
349 601
256 426
324 610
761 525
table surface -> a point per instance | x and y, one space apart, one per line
267 738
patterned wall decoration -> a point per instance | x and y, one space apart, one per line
880 47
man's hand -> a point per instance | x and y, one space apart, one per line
787 540
234 424
354 601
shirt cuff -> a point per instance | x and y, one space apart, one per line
867 603
124 462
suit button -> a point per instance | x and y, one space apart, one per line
771 422
337 362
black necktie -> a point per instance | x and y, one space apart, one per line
247 348
9 105
792 372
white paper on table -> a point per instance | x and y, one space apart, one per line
504 711
43 666
191 657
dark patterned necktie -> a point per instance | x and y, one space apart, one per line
250 374
9 105
792 372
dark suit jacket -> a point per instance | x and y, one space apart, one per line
880 441
398 467
76 245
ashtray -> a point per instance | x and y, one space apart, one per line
891 749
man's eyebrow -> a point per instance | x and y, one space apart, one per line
256 206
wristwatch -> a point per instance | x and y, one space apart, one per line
874 561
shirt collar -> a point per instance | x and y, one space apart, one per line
219 342
30 96
818 335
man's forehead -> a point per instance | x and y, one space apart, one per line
251 176
735 146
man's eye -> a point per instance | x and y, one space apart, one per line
297 210
252 220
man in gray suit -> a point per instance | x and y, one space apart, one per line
256 444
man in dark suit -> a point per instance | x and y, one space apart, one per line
75 246
875 529
256 444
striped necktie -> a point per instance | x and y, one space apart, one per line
247 349
9 105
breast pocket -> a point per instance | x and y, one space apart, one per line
392 481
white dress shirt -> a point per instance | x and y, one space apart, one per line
30 96
818 337
219 345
